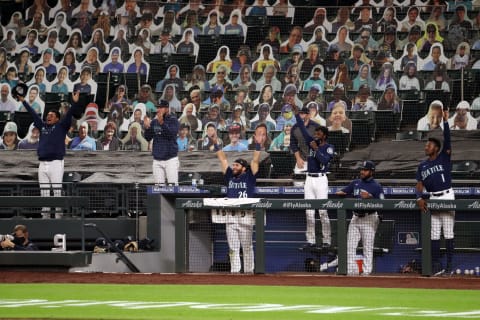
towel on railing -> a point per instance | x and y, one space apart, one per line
229 202
231 215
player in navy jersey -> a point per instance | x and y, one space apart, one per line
51 148
434 181
364 223
320 153
163 130
240 180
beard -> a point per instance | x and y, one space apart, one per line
33 140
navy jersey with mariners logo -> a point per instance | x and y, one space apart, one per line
242 186
319 160
369 185
436 174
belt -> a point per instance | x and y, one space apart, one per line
319 174
363 214
440 193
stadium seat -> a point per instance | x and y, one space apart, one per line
386 123
133 81
412 110
283 23
5 116
431 95
184 62
233 42
363 127
23 121
340 140
464 169
283 163
408 135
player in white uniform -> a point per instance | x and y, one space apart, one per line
241 181
434 177
364 223
316 182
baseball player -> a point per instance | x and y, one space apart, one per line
434 177
51 148
364 223
316 181
240 180
163 129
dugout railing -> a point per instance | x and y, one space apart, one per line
183 206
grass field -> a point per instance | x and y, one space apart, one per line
188 302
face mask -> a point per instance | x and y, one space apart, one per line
288 115
18 240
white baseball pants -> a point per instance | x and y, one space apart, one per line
363 228
50 176
166 170
240 235
317 188
444 219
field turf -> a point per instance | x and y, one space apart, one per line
188 302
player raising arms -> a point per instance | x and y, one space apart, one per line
320 153
241 181
51 149
434 177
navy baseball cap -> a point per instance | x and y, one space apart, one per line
20 90
368 165
241 162
163 104
304 109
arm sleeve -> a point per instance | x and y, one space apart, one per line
227 175
293 140
28 247
379 193
348 189
67 120
418 175
37 121
324 157
301 126
170 125
447 144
